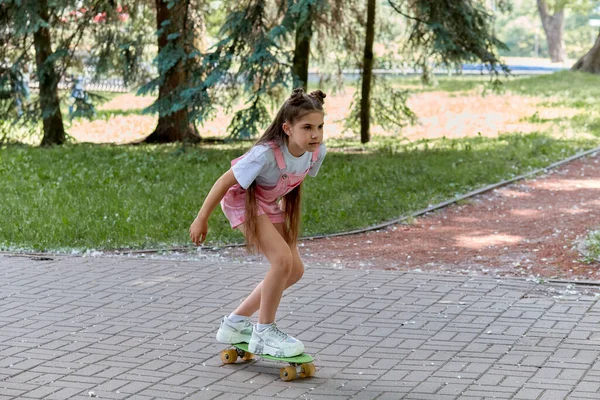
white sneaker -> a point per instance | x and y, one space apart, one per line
234 332
275 343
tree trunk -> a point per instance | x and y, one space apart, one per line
367 74
590 62
554 27
302 52
173 127
54 131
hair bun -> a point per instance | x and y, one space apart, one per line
297 93
319 95
297 97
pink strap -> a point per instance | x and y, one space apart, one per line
315 155
281 161
278 156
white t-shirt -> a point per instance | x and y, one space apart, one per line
259 164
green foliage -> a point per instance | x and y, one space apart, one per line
123 42
388 108
579 36
84 106
243 124
249 62
338 40
592 246
248 59
18 23
67 22
520 28
260 63
14 92
440 34
523 36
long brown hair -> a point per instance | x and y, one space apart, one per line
298 105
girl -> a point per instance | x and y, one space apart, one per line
260 196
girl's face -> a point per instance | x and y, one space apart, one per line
306 134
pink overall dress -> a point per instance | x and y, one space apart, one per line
267 199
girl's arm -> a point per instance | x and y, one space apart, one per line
199 227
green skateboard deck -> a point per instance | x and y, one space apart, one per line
300 366
300 359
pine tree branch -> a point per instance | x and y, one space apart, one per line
399 11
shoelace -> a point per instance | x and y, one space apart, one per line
280 335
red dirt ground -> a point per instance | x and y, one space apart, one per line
531 228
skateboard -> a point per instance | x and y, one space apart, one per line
300 366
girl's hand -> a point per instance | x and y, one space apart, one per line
198 231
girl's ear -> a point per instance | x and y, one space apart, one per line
286 128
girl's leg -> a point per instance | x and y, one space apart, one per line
253 302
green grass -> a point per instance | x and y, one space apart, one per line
592 246
107 197
452 84
106 114
572 87
455 84
565 89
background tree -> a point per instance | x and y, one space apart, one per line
367 72
553 21
520 28
178 22
590 62
35 24
123 43
12 94
252 51
437 35
327 26
305 15
48 77
28 24
555 15
264 49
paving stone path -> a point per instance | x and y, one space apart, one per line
135 328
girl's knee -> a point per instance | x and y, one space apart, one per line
283 262
296 273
